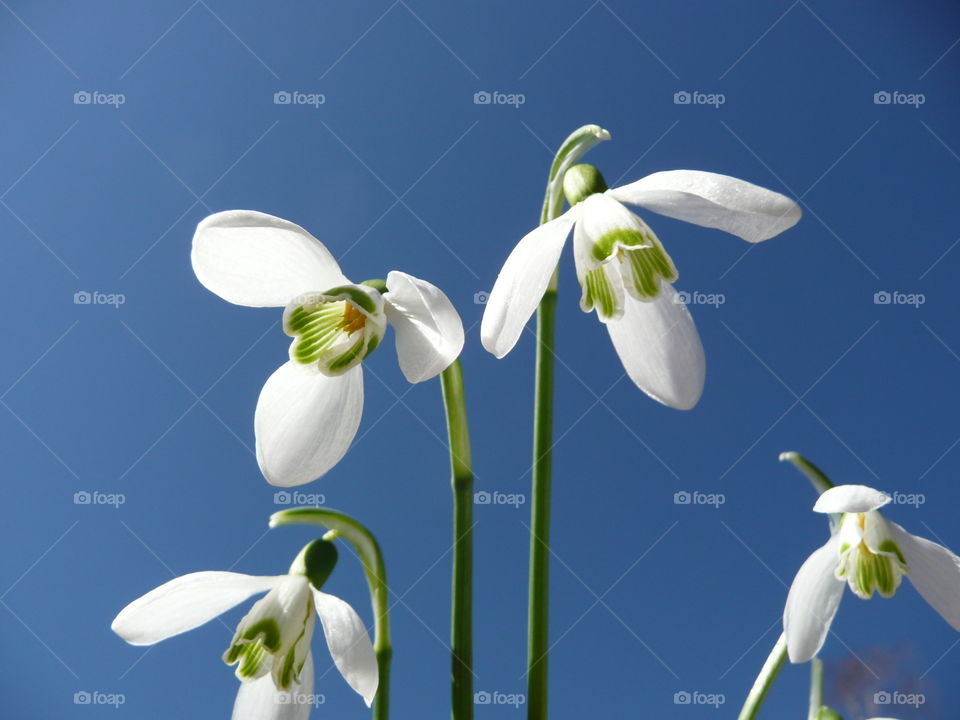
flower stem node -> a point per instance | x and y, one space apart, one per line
335 330
581 181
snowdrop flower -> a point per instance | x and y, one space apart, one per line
309 409
271 646
625 273
866 553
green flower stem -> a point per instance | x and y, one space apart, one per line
821 483
572 149
461 611
816 689
764 681
341 525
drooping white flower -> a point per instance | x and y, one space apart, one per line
625 273
867 553
309 409
271 646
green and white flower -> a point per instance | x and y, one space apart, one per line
625 273
309 409
868 554
271 646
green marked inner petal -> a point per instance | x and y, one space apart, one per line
644 268
621 237
599 294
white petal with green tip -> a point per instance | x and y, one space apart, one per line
254 259
429 332
305 422
185 603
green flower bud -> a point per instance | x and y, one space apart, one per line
582 181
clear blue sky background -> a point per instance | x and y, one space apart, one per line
400 169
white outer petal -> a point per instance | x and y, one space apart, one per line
184 603
812 602
260 700
349 644
522 281
934 571
715 201
254 259
305 422
850 499
660 348
428 329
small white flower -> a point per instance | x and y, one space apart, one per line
866 553
271 647
309 409
625 273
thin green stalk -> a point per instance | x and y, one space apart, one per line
341 525
572 149
764 681
461 611
816 689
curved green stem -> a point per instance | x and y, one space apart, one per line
342 525
572 149
461 611
764 681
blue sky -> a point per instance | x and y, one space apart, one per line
398 168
